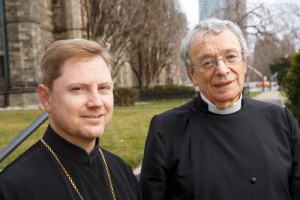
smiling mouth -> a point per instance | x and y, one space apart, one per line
223 84
93 116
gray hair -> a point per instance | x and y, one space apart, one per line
211 25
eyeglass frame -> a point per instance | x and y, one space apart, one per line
215 61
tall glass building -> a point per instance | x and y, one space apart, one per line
208 7
225 9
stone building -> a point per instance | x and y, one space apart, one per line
29 27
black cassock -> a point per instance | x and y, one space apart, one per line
36 175
194 154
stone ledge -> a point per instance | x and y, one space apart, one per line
29 107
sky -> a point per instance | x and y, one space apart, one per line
191 8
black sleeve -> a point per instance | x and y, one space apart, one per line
153 175
135 183
295 151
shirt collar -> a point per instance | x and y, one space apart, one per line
69 150
232 109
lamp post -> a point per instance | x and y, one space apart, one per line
5 74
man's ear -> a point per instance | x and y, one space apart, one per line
44 96
191 72
246 63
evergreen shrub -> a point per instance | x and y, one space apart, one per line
292 86
125 96
167 92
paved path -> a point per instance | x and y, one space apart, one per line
137 172
271 97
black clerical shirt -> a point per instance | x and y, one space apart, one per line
36 175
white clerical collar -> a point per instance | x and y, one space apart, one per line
232 109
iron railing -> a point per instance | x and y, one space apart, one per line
23 136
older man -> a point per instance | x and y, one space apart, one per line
221 145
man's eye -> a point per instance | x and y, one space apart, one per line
231 57
208 64
104 87
76 88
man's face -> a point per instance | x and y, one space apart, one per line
223 84
80 104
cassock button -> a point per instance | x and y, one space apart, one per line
253 180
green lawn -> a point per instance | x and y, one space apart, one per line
125 136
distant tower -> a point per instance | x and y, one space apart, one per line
207 8
233 10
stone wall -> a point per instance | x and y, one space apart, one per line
31 26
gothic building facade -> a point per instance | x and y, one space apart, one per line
27 28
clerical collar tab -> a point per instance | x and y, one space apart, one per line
232 109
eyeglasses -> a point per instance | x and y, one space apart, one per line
230 58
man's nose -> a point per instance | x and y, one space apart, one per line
94 99
221 68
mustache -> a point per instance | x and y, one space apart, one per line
226 78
